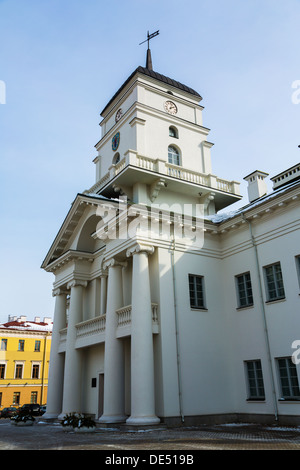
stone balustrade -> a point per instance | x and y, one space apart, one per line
168 169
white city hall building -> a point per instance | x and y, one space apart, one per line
165 310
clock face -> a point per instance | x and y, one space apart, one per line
170 107
119 114
115 141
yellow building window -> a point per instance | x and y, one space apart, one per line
16 398
19 371
2 371
35 371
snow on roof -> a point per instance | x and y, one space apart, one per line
26 325
221 217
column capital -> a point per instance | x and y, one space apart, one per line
112 262
59 291
140 248
76 283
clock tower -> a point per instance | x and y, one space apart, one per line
153 137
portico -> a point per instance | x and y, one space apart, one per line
78 330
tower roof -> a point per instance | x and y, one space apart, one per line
157 76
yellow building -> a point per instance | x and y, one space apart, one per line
24 361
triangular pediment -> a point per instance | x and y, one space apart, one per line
82 206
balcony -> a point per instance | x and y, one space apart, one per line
134 167
167 169
92 331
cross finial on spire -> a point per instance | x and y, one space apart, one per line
149 59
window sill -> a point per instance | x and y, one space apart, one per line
268 302
246 307
199 309
256 400
288 400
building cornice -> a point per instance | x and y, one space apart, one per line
256 211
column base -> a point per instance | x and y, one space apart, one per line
143 420
50 416
106 419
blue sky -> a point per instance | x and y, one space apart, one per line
62 60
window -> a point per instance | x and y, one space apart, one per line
244 290
116 158
173 155
33 397
173 132
35 371
256 389
3 344
196 291
274 282
19 371
21 345
16 398
2 371
37 346
288 379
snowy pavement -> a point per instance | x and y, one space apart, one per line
45 436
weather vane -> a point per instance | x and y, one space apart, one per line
149 58
149 37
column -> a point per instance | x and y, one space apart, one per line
103 293
72 375
56 367
114 387
142 360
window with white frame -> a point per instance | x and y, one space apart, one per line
274 282
244 290
288 379
35 371
173 155
2 370
256 390
19 371
196 288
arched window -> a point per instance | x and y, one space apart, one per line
173 155
173 132
116 158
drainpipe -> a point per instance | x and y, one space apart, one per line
266 332
43 367
177 332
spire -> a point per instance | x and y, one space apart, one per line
149 58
